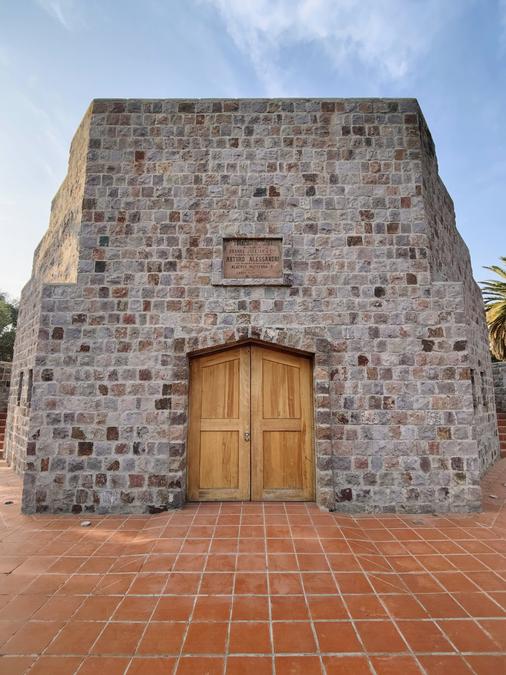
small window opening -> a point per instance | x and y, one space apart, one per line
473 387
30 386
20 387
484 397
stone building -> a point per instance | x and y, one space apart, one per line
5 379
252 299
499 377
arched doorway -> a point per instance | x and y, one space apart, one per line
251 426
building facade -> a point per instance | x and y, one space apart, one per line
499 378
5 380
252 299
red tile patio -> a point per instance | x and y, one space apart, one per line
253 588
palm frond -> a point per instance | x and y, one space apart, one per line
497 270
494 296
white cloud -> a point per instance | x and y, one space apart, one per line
388 37
66 12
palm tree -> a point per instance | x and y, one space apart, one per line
494 294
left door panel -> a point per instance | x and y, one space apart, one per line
219 426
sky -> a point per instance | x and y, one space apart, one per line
57 55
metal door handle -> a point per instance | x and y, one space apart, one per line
247 436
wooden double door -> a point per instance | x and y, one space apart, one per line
251 426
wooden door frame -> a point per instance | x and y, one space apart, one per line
249 342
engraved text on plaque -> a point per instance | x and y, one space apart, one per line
252 258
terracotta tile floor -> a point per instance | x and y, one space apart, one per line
253 588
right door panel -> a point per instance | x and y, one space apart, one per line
282 423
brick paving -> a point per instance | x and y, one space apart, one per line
253 588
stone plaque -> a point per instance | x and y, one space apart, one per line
259 258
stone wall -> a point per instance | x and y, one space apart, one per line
450 262
346 184
55 259
499 374
5 380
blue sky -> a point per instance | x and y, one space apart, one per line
57 55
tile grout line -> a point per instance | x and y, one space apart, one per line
269 595
467 575
85 597
159 596
341 596
456 570
365 560
109 620
312 623
393 620
469 617
106 623
438 621
232 596
197 590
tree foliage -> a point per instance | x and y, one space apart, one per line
8 322
494 294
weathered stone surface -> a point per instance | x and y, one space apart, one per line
376 283
5 379
499 377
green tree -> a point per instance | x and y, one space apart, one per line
8 321
494 294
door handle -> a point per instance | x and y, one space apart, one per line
247 436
